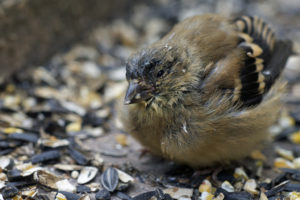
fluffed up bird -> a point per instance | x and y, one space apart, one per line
208 91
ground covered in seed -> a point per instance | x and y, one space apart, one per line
60 137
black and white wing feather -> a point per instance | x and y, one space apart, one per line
265 58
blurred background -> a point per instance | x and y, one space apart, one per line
32 31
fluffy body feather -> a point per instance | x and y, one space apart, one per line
206 91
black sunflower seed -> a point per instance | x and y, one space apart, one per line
6 151
290 171
296 116
83 189
145 196
161 195
290 187
276 189
21 184
14 175
43 197
103 195
4 144
234 195
26 137
110 179
9 192
45 156
279 179
277 197
78 157
239 196
92 119
123 196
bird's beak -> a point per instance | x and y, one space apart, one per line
136 93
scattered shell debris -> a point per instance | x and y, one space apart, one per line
60 137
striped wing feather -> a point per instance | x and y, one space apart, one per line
265 58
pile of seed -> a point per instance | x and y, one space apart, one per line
60 137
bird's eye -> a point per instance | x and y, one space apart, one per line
160 73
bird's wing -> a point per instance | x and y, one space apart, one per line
253 66
264 60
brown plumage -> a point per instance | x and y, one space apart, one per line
206 92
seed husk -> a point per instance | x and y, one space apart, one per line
65 185
6 162
87 174
46 178
67 167
124 177
177 193
53 142
85 197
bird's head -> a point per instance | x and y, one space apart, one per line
154 73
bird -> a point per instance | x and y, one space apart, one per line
207 92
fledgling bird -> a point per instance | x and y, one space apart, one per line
208 91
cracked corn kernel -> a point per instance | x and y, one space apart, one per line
60 196
206 196
296 162
250 186
257 155
239 173
12 130
294 196
205 186
295 137
283 163
226 185
263 196
287 154
73 127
